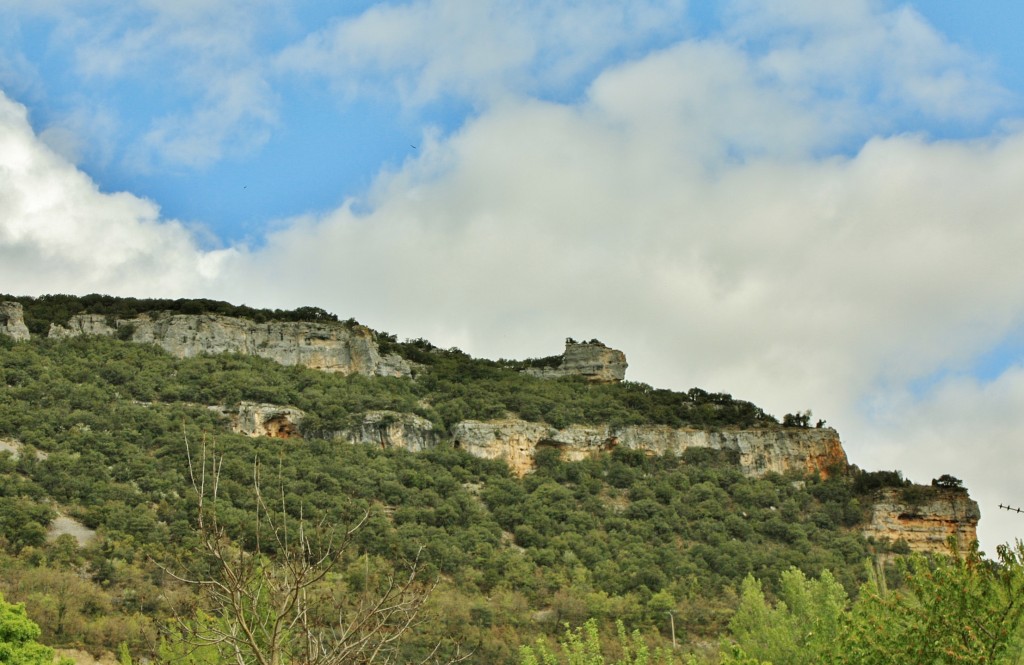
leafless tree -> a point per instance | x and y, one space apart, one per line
267 605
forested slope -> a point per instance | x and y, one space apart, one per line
95 429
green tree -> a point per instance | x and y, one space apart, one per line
802 627
582 646
950 609
18 636
956 609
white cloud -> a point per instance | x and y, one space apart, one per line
235 117
476 49
892 60
58 232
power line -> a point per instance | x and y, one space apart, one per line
1011 509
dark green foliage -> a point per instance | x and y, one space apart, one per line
947 481
798 419
865 482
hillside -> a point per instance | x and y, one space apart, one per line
536 492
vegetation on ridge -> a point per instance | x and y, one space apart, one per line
43 311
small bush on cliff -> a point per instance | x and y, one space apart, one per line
947 481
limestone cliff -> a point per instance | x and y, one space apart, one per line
386 429
760 451
924 518
516 442
391 429
326 346
592 360
12 321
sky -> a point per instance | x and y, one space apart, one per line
807 205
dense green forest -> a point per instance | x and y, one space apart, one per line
96 430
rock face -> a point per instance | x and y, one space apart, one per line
278 422
327 346
591 360
386 429
82 324
391 429
64 525
927 522
814 451
12 321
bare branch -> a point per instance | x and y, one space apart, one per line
263 603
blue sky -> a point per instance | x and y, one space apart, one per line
808 205
310 148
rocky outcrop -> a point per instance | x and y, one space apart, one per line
391 429
386 429
924 518
278 422
15 448
63 525
83 324
592 360
327 346
760 451
12 321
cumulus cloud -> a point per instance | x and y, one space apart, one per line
58 232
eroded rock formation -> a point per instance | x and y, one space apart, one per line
326 346
591 360
760 451
924 518
278 422
12 321
391 429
